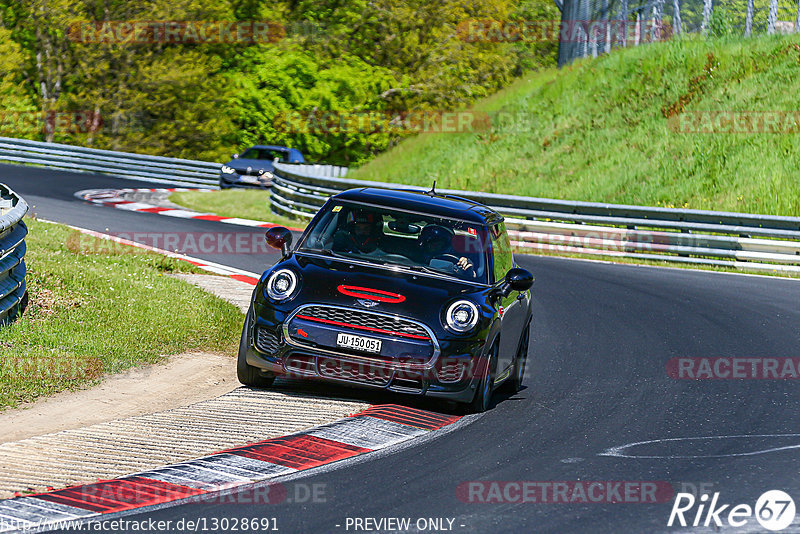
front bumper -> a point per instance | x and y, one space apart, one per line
245 180
443 369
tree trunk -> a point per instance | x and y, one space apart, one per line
773 16
623 17
796 20
707 7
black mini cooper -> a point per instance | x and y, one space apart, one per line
409 291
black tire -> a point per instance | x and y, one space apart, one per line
247 374
520 360
483 396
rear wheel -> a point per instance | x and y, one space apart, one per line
248 374
483 397
520 361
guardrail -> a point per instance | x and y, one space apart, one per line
13 295
173 171
758 242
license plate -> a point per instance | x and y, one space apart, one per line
366 344
249 179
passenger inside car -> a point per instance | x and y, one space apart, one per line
363 232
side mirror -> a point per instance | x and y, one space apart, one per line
517 280
279 238
235 156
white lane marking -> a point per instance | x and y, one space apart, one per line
26 509
238 465
367 432
133 206
183 214
243 222
50 507
620 451
203 264
196 475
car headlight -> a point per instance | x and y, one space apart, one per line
281 284
228 170
461 316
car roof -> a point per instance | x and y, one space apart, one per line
440 205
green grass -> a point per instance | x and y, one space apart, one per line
97 309
243 203
597 131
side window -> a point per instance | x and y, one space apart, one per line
501 250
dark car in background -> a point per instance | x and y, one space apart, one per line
254 166
407 291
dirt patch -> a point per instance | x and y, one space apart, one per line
181 380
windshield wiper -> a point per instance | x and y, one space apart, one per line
424 269
376 261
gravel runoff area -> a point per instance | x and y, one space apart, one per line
152 416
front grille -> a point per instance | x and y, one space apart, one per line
451 371
360 319
369 374
266 341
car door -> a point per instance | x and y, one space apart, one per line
511 308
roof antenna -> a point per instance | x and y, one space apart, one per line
433 189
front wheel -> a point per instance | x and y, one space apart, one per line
483 397
247 374
521 359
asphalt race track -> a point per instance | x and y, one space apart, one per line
51 196
597 379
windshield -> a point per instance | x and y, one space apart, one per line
418 242
267 154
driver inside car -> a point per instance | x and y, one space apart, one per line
362 233
435 246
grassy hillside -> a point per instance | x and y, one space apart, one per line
599 131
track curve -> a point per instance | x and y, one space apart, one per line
602 336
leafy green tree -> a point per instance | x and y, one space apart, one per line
372 59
